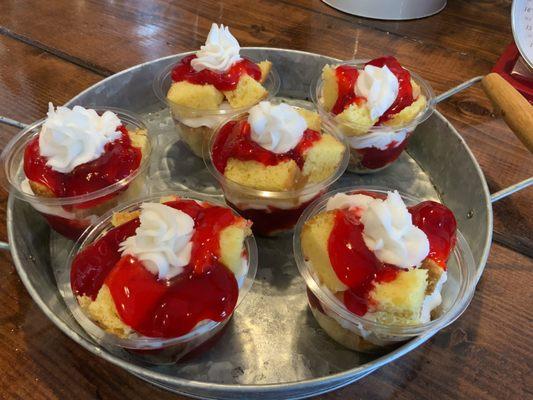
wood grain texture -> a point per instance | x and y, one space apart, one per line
484 355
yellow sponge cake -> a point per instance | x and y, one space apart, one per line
314 239
322 159
247 93
280 177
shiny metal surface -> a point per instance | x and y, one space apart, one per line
501 194
12 122
458 88
273 348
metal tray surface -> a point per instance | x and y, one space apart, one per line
273 348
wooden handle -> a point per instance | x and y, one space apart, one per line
515 109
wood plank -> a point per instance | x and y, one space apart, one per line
458 27
29 79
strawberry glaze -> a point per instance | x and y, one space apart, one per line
206 290
347 79
358 268
234 141
228 80
119 160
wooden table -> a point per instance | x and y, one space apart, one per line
51 50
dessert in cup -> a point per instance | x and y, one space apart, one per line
213 84
161 276
376 105
77 164
273 161
378 271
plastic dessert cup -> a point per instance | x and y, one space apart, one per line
195 126
364 335
70 216
272 212
149 349
366 154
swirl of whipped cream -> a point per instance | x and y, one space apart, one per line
162 241
220 52
380 88
277 128
388 228
70 138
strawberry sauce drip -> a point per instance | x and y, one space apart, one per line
221 80
91 266
405 89
119 160
357 266
206 290
438 223
346 80
234 141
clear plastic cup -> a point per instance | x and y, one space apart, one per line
70 216
149 349
362 334
372 150
272 212
195 126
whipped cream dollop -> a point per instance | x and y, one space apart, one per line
220 52
380 88
388 228
162 241
70 138
277 128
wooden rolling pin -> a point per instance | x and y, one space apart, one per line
515 109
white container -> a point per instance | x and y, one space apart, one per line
389 9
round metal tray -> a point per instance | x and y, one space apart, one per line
273 347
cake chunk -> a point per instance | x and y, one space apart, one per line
312 119
315 239
248 92
40 189
104 312
322 158
254 174
139 139
120 218
355 120
265 67
400 301
330 90
205 97
435 272
232 245
409 113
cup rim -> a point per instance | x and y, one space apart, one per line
462 254
425 88
272 84
145 342
272 194
19 142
